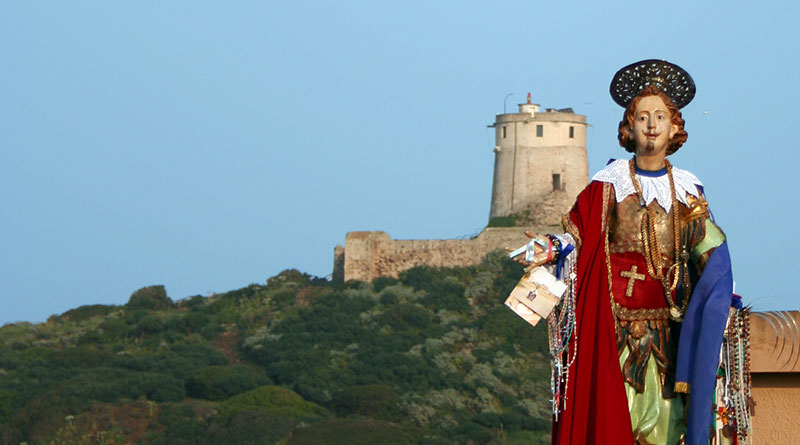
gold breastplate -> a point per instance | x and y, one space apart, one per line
625 227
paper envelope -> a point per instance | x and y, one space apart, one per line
535 296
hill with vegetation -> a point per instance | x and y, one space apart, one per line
432 357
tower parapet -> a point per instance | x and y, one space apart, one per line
540 164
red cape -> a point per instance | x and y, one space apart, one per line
596 409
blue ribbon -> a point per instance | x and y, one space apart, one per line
561 257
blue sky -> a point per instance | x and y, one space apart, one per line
209 145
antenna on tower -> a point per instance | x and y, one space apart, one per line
504 101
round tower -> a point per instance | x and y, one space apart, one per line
540 164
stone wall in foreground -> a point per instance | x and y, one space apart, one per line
368 255
775 364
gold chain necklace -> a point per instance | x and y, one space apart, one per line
650 244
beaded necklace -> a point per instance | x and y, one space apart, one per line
651 246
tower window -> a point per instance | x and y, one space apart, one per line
504 131
571 132
557 182
539 131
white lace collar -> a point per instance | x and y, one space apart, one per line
653 187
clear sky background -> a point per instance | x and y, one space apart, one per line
209 145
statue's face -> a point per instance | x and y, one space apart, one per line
652 127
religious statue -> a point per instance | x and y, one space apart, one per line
648 306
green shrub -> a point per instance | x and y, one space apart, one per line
93 337
187 323
179 424
29 380
469 432
165 388
444 288
36 420
405 316
151 324
6 404
290 278
488 419
194 322
527 438
195 302
173 412
249 427
184 431
88 311
514 220
112 330
85 356
356 432
273 400
451 299
24 357
389 298
508 273
282 299
512 421
421 277
376 401
244 293
111 385
180 361
45 413
211 331
150 297
503 324
221 382
382 282
537 423
503 221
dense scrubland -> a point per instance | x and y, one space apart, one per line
432 357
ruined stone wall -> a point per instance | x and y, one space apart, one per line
368 255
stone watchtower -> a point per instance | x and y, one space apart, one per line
540 165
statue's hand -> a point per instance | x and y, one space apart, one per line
539 256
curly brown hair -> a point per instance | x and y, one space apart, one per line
626 124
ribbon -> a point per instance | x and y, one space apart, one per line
565 251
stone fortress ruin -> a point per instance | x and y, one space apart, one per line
540 167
